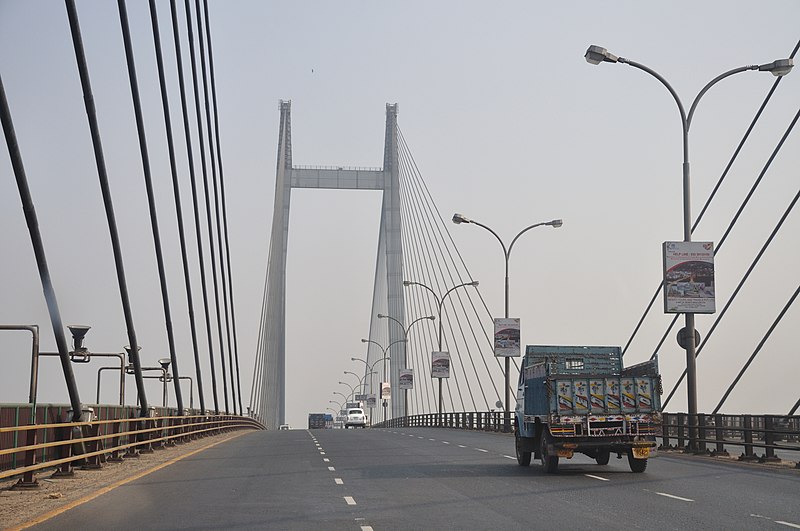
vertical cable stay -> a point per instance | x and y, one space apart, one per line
207 192
177 197
102 174
216 177
224 207
195 205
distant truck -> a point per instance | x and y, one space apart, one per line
581 399
318 421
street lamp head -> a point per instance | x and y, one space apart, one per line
365 340
381 316
473 283
431 317
779 68
460 218
407 283
556 223
164 362
597 54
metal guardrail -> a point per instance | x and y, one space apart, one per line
118 432
749 433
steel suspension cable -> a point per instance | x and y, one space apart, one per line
758 348
224 205
212 148
151 201
102 174
204 168
177 196
738 288
710 198
433 208
32 221
195 206
488 340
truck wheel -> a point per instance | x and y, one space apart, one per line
549 462
602 457
637 465
523 458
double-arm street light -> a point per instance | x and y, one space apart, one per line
556 223
406 330
385 357
352 389
370 372
439 304
596 55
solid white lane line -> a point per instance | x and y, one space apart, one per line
789 524
482 450
338 481
596 477
509 457
326 460
673 497
349 500
331 469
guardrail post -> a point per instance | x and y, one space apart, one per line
133 426
115 457
701 446
720 436
64 451
28 481
681 430
665 427
747 429
769 441
93 462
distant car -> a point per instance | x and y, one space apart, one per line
355 418
283 427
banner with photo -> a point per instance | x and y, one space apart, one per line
506 337
406 379
386 391
689 277
372 400
440 365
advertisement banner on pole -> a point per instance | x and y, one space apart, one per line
406 379
440 365
371 400
506 337
689 277
386 391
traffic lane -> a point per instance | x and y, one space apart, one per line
266 479
570 492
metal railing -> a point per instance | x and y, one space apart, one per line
717 433
27 447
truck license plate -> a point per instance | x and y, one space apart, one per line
641 453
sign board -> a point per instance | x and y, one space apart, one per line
440 365
341 419
688 277
371 400
506 337
361 398
406 379
351 405
386 391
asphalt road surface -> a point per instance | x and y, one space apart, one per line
417 478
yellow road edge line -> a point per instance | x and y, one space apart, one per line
109 488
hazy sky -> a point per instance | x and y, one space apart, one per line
508 125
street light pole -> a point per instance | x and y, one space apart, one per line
596 55
385 357
556 223
439 303
406 330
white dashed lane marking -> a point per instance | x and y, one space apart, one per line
366 528
596 477
325 459
461 446
482 450
674 497
331 469
349 500
788 524
509 457
445 442
338 481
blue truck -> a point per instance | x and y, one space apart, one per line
580 399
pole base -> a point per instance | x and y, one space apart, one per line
26 485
